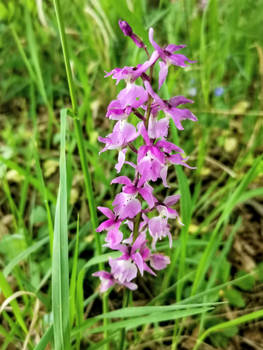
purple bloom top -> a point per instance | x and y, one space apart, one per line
147 217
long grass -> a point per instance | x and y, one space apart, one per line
60 268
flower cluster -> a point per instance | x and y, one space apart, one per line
136 205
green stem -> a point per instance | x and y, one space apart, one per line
81 146
78 130
126 298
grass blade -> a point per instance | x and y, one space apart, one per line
45 339
60 270
245 318
7 291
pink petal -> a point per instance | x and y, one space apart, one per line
158 128
154 44
171 200
139 242
163 73
163 175
147 195
137 258
179 100
130 285
159 261
113 238
133 95
150 91
104 225
123 180
107 212
132 209
179 60
171 47
168 147
121 160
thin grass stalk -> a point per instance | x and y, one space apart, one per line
81 147
126 298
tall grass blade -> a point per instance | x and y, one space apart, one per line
60 269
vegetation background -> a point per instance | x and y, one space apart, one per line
216 257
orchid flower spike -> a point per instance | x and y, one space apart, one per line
138 219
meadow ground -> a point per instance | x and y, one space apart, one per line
211 295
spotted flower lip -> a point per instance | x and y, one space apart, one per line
132 96
139 219
123 133
115 111
123 270
145 190
138 253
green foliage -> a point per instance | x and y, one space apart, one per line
246 284
235 298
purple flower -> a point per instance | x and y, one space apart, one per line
123 133
219 91
132 96
145 190
123 270
127 31
108 280
159 228
139 253
116 112
158 128
154 155
126 205
170 107
168 57
159 261
112 225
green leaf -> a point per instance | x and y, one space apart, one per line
230 332
235 297
60 269
38 215
246 284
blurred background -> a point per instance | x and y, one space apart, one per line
226 83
